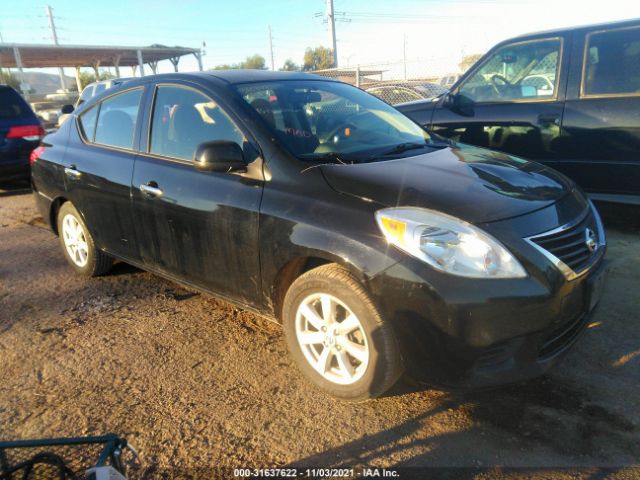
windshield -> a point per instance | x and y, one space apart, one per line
318 119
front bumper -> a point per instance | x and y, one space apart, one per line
463 332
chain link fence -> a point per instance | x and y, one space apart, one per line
399 82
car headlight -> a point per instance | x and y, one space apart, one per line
447 243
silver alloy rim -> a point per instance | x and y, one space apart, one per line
75 240
332 339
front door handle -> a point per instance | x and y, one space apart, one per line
151 190
72 172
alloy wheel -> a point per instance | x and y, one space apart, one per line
332 338
75 240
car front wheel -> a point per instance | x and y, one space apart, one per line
337 336
78 245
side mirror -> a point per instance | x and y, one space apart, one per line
67 109
461 104
219 156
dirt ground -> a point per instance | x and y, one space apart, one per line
195 383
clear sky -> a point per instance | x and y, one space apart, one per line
369 31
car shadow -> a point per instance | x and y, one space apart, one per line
8 189
545 414
625 218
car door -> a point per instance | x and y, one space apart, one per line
511 101
601 126
98 168
201 227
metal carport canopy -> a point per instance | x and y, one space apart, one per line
42 56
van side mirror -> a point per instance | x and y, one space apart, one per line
461 104
219 156
66 109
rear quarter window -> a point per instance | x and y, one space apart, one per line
11 104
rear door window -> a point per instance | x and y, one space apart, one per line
11 104
117 118
612 63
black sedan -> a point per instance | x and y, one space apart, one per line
379 248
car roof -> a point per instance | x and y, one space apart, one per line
230 77
245 76
595 26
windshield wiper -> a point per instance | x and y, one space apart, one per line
326 157
403 147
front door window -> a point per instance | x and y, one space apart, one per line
520 71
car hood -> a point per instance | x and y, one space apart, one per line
474 184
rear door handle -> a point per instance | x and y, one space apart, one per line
72 172
151 190
548 119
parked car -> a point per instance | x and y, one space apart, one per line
96 88
90 91
566 98
315 204
20 133
402 92
449 80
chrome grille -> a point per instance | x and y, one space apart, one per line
568 247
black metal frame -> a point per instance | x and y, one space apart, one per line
111 452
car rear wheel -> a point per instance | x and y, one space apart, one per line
337 336
78 245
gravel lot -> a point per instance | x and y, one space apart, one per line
195 383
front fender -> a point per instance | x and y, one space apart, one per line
341 229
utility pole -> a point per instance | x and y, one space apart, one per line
331 22
2 79
54 34
404 54
273 67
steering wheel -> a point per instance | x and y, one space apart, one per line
494 82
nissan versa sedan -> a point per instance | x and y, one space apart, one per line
380 249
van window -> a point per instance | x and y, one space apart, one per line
520 71
117 119
184 118
612 63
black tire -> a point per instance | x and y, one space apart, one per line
97 262
384 365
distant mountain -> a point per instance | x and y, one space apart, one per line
44 83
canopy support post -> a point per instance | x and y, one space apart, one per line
140 63
174 61
16 55
78 82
